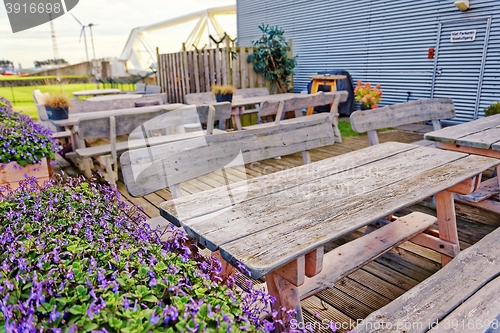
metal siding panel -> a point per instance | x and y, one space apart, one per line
381 41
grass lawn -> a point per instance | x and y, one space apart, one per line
22 98
346 129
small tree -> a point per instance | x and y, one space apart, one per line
270 58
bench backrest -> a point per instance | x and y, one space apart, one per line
140 87
298 103
151 169
199 98
434 109
252 92
156 119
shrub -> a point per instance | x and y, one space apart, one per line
75 257
21 139
270 58
492 109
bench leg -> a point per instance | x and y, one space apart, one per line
336 130
287 296
107 161
447 221
306 157
87 167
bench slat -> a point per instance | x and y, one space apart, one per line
404 113
347 258
444 292
477 311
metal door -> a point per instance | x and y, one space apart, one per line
461 50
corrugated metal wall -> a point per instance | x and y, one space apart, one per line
387 42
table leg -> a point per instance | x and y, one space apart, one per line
287 296
283 284
447 221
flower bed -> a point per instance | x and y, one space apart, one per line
76 258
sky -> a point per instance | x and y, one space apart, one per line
115 19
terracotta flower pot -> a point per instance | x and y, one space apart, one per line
12 173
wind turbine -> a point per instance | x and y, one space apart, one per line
94 62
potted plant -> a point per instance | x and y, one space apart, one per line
57 106
272 58
25 147
223 93
368 97
492 109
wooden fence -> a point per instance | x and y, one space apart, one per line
197 71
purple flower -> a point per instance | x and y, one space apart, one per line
153 320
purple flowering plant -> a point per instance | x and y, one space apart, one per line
74 257
21 139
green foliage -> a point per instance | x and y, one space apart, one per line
270 58
492 109
6 63
76 258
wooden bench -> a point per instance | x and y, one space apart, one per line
434 109
171 164
464 294
296 104
144 129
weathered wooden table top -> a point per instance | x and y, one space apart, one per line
113 97
269 221
482 133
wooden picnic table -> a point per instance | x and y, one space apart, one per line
72 121
95 92
277 225
478 137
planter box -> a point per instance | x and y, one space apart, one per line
12 173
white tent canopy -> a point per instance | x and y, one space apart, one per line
140 50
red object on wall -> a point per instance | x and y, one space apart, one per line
430 54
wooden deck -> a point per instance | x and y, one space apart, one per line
370 288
